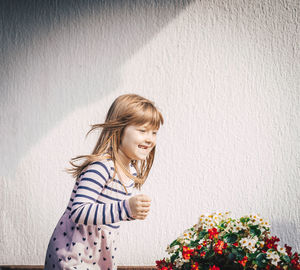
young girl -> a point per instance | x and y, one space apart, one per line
84 237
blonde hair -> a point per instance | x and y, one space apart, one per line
129 109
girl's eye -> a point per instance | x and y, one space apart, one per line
154 132
142 130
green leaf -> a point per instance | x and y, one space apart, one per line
202 234
186 266
261 260
231 256
194 243
252 256
223 225
174 257
286 258
239 253
244 220
230 238
255 231
174 243
209 254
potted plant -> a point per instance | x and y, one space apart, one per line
220 242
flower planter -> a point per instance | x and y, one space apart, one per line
219 241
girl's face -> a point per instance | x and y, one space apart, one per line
137 142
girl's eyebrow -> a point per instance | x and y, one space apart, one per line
143 126
153 129
146 126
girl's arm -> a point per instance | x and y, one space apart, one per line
86 209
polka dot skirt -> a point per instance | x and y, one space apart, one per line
76 246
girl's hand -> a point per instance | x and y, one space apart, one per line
140 206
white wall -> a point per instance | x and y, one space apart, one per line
225 75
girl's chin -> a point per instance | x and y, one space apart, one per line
141 157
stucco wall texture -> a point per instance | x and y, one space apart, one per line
225 75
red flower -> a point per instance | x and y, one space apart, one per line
243 261
288 250
270 243
295 261
170 266
202 254
213 233
199 246
164 268
219 246
160 264
236 244
187 252
214 268
195 266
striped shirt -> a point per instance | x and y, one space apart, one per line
97 201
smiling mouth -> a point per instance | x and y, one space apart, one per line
143 147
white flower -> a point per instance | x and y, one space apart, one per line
273 256
235 226
184 241
217 218
178 262
213 220
170 250
187 234
282 250
254 219
265 224
249 243
261 243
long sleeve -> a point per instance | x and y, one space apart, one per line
88 208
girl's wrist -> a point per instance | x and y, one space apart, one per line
127 205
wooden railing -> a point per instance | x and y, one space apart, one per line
40 267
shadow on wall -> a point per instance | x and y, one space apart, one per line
60 55
287 232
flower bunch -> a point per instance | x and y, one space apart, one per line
219 241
